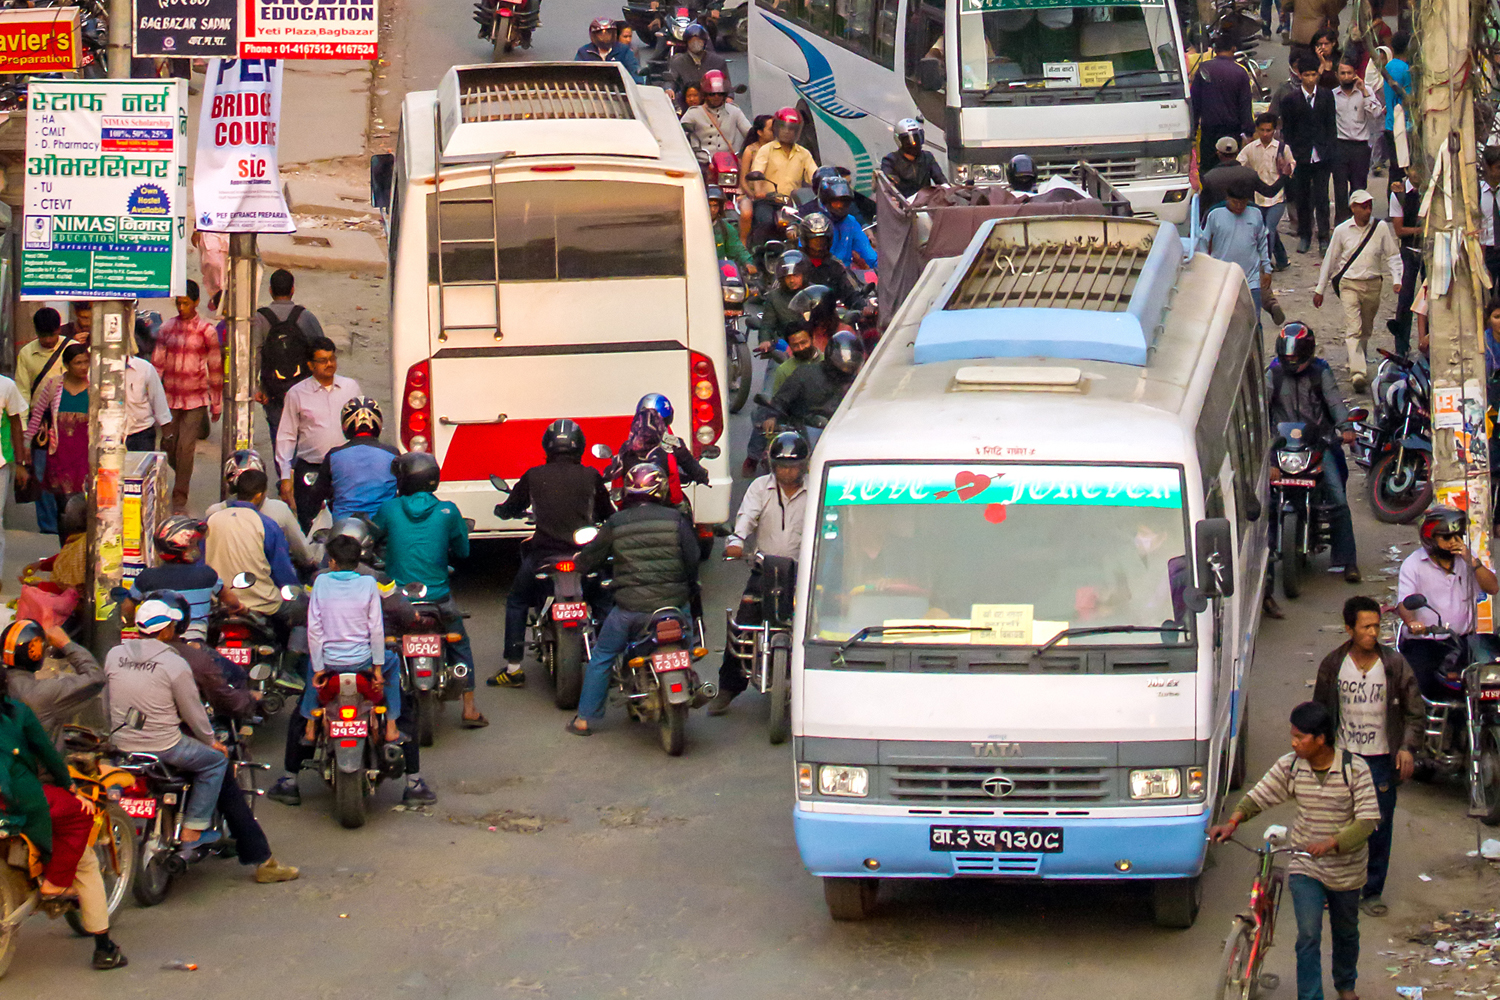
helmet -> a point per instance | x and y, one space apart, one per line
656 401
646 481
786 126
789 446
817 234
813 305
696 30
562 437
1295 345
361 415
845 353
415 472
599 25
23 645
790 263
823 174
837 197
159 609
357 528
716 193
909 135
715 82
1441 521
241 461
176 537
1020 172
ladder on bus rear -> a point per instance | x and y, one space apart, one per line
473 195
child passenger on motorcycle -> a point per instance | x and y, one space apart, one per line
346 631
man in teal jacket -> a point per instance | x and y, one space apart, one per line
422 534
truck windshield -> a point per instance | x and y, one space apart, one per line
1006 44
1025 551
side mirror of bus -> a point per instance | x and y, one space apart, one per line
1213 544
930 74
382 178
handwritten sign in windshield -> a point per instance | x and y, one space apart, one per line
1005 485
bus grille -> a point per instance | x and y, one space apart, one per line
1113 170
996 864
489 96
1033 786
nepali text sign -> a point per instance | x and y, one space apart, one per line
106 189
237 181
39 41
186 28
310 29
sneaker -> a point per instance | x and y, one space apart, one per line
1304 246
286 791
1360 382
418 794
274 871
1278 314
1352 574
720 703
508 679
114 958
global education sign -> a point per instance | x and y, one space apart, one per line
310 29
106 189
39 41
201 29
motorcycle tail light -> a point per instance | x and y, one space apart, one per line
566 566
708 408
234 632
416 407
347 711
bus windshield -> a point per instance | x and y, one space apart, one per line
1006 44
1016 552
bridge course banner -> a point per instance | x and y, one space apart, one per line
237 179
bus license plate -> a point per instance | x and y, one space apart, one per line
350 727
570 611
422 645
1309 483
677 659
997 839
240 656
139 808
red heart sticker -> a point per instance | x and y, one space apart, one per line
995 513
970 484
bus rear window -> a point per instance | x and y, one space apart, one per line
557 231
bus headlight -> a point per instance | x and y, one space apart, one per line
1161 166
1156 783
835 779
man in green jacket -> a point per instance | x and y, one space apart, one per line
727 242
422 535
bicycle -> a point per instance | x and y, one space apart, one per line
1253 932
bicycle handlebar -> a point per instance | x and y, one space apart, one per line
1264 850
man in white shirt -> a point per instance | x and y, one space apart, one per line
1359 248
1360 113
310 426
146 406
1489 183
1271 159
773 511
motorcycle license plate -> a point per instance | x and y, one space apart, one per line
1309 483
677 659
139 808
570 611
422 645
348 727
240 656
996 839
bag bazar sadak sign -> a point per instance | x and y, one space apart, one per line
310 29
39 41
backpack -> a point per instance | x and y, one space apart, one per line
284 355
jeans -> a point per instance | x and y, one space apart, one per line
525 591
141 440
46 504
1383 772
1255 290
5 478
1308 897
732 676
273 408
1426 658
461 651
1273 214
250 844
207 767
1340 524
614 636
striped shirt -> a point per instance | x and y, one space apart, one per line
1343 795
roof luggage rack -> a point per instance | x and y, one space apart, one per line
542 93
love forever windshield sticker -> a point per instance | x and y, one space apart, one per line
994 488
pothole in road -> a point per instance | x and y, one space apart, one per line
623 817
509 821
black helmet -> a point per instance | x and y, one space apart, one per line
1441 521
823 174
415 472
361 415
837 197
845 353
1295 345
176 536
23 645
562 437
241 461
646 481
817 234
909 135
814 305
789 446
790 263
1020 172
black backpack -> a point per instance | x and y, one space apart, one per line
284 355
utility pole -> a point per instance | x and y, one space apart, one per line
239 412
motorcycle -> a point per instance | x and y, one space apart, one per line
736 335
247 640
507 23
1395 445
349 747
426 671
656 676
765 650
1300 527
1462 731
672 36
724 173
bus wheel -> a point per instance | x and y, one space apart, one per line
1175 901
850 898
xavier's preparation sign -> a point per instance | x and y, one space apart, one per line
310 29
106 189
199 28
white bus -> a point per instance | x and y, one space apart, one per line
1104 81
1032 579
551 256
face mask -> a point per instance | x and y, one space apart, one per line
695 46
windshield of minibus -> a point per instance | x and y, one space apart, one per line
1013 44
1017 552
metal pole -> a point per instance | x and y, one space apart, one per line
244 282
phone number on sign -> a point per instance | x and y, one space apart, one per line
294 50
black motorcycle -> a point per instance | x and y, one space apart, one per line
507 23
1395 444
765 650
736 334
428 673
656 676
1300 525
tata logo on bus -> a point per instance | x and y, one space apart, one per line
996 749
39 41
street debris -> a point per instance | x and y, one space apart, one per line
1462 950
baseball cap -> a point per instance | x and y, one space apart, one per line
1228 144
153 616
1360 197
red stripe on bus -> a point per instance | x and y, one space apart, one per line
478 451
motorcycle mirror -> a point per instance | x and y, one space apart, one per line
1358 414
601 451
309 478
118 594
500 484
319 537
1212 541
135 719
415 591
712 451
742 89
243 581
1414 602
260 672
585 535
288 593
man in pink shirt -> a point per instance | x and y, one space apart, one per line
191 363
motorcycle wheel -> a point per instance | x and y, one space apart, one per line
13 892
567 670
117 866
739 38
427 710
741 375
502 39
671 727
1293 557
348 799
780 725
272 704
152 876
1489 774
1400 493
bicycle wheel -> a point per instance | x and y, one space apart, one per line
1236 978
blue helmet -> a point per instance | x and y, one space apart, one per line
656 401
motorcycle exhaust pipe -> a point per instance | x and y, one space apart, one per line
460 670
706 692
392 753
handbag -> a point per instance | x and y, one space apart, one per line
44 432
1354 256
31 492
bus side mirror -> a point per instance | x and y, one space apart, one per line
382 178
1213 547
930 74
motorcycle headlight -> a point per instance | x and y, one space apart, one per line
1161 166
734 293
1293 462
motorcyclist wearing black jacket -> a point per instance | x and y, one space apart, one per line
910 167
823 268
655 552
815 391
777 321
565 495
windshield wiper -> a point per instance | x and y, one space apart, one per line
1174 76
1104 630
1012 81
870 630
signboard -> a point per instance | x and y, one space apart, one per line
237 182
106 189
1055 485
310 29
975 6
200 29
39 41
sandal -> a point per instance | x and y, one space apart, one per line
478 722
1373 906
575 730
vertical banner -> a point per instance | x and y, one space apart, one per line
237 183
106 189
198 29
301 29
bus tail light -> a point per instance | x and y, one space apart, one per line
708 409
416 408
